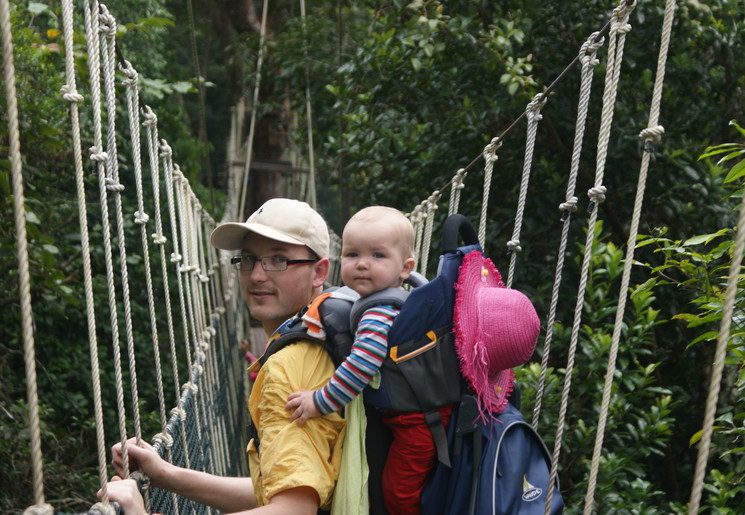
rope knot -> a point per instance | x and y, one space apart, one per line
130 74
141 217
97 509
192 387
491 147
181 412
108 23
623 28
533 109
597 194
98 155
47 509
653 134
114 185
588 51
164 438
158 239
70 95
165 150
176 257
569 206
514 246
151 120
142 480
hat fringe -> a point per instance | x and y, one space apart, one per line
490 389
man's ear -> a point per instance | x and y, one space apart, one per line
321 272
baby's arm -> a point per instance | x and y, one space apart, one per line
303 405
369 349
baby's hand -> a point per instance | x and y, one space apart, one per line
302 403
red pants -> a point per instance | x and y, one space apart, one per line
411 458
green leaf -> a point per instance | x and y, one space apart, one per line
37 8
736 172
734 124
718 149
32 218
697 436
704 238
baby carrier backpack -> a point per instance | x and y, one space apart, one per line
480 459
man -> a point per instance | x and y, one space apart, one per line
282 266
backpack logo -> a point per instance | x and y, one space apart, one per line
530 492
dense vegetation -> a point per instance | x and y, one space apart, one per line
404 94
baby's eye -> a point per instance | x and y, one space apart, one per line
350 255
378 255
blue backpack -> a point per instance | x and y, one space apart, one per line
500 467
422 373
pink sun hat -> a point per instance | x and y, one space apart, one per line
496 329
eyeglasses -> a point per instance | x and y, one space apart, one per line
246 262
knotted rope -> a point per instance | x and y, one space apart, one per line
617 37
588 60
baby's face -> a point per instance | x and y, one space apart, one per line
372 257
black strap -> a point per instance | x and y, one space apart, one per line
434 423
467 423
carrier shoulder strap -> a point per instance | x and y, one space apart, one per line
334 307
389 297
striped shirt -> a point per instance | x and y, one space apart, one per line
369 349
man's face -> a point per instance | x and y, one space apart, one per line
274 296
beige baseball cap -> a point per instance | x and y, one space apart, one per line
281 219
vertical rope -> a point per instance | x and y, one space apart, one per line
617 37
428 223
588 60
416 221
533 111
490 157
141 218
649 136
108 42
252 126
718 365
309 113
24 280
455 190
99 157
70 94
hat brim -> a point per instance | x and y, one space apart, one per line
230 235
491 387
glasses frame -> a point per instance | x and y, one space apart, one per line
237 261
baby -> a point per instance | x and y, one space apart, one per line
377 253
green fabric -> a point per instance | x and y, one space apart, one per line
350 495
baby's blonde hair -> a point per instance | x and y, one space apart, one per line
400 223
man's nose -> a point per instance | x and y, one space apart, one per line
258 274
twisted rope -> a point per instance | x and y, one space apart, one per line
431 207
533 111
24 280
617 38
490 157
455 191
588 60
652 133
99 157
141 218
252 126
70 94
